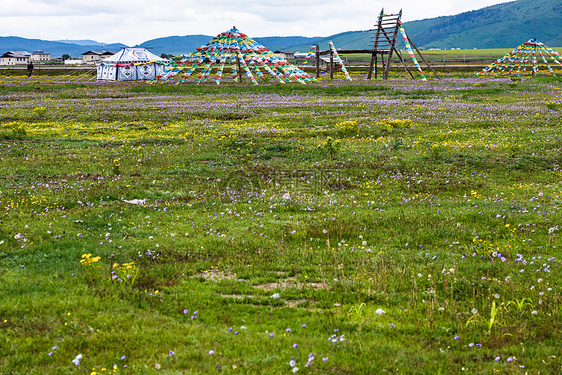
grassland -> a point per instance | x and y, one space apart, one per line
349 228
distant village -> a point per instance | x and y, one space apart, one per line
22 58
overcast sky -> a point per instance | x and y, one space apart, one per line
135 21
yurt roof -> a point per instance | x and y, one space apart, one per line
133 55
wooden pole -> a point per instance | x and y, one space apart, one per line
404 63
317 61
239 67
372 65
376 63
392 46
419 53
331 64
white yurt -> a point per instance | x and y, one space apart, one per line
131 64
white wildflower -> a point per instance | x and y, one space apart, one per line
77 359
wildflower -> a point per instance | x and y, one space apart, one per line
292 363
185 311
271 334
379 311
498 358
295 370
77 359
171 353
288 330
509 359
295 345
157 366
211 352
534 312
304 326
122 358
474 311
276 295
456 337
496 295
324 359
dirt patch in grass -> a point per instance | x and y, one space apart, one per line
216 275
237 296
291 282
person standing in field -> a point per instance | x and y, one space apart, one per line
29 68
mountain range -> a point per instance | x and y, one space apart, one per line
502 25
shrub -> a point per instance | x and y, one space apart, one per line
330 147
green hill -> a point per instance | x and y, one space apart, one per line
179 45
502 25
175 45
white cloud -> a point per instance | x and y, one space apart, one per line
133 22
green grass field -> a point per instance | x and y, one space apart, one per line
339 227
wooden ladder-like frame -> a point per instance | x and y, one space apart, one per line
385 45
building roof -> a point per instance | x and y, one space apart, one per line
23 54
39 52
133 55
99 53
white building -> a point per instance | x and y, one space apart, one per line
40 56
285 54
12 58
73 62
91 57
